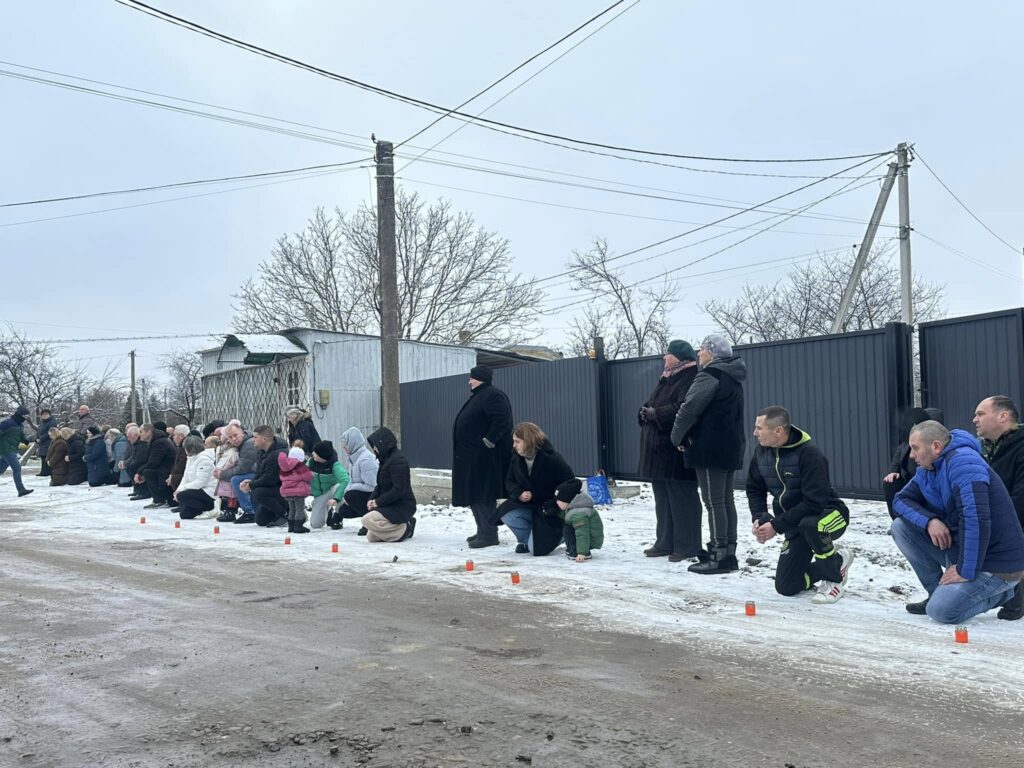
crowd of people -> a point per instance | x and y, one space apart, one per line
957 502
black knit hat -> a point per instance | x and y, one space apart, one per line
568 490
481 373
161 425
325 450
93 430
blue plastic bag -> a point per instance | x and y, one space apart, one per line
597 487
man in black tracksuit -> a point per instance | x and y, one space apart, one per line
1002 444
806 510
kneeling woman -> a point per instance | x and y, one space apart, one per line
530 512
195 494
392 505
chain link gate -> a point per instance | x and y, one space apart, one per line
257 394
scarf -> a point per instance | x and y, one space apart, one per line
672 370
989 448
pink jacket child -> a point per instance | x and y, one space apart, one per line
296 477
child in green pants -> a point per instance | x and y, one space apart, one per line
583 529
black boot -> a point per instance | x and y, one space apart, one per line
361 531
297 526
24 492
919 608
1013 608
717 562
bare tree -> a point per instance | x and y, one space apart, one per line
806 302
454 278
632 319
32 375
185 386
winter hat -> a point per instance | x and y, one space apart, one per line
297 453
568 490
161 425
21 412
681 350
325 450
717 345
93 430
481 373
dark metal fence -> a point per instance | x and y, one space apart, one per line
966 359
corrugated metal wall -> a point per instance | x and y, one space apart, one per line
966 359
628 385
560 396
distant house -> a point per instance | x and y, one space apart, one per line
336 376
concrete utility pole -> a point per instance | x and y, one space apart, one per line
390 393
865 249
132 356
906 275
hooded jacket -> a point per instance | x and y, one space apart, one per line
296 477
796 475
12 431
362 464
585 522
709 424
393 493
268 471
966 494
198 474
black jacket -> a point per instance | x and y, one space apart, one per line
393 494
709 424
136 456
478 470
305 431
1006 457
549 471
96 463
659 459
797 477
76 459
43 435
160 454
901 463
268 471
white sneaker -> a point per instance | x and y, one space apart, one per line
830 591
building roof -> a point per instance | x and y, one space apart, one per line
262 348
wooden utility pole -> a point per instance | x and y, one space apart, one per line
865 249
132 356
906 274
390 393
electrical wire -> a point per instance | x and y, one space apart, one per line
963 205
519 131
178 184
495 103
511 72
968 257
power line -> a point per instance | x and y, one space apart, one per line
130 338
968 257
963 205
193 183
511 72
527 133
493 104
324 139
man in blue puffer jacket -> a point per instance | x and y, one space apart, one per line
957 527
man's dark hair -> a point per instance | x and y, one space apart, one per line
1003 403
776 416
265 431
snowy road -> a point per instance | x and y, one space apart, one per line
863 659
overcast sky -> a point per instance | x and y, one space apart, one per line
770 80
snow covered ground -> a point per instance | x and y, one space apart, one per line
867 635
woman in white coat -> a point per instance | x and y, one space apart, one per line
195 494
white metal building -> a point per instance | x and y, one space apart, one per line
336 376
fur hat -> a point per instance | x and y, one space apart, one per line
568 490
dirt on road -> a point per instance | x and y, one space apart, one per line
137 654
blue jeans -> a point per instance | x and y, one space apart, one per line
244 500
520 522
950 603
11 460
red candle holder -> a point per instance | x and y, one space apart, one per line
515 577
142 520
287 539
469 565
177 523
960 634
216 529
334 548
751 608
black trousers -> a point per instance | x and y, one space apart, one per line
192 502
353 504
44 468
890 490
678 512
269 505
140 489
483 514
809 556
156 484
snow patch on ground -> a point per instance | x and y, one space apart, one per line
867 635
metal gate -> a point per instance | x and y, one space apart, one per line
257 394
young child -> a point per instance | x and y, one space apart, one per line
583 530
227 457
296 479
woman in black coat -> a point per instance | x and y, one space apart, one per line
75 459
676 502
392 505
96 465
529 511
301 427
